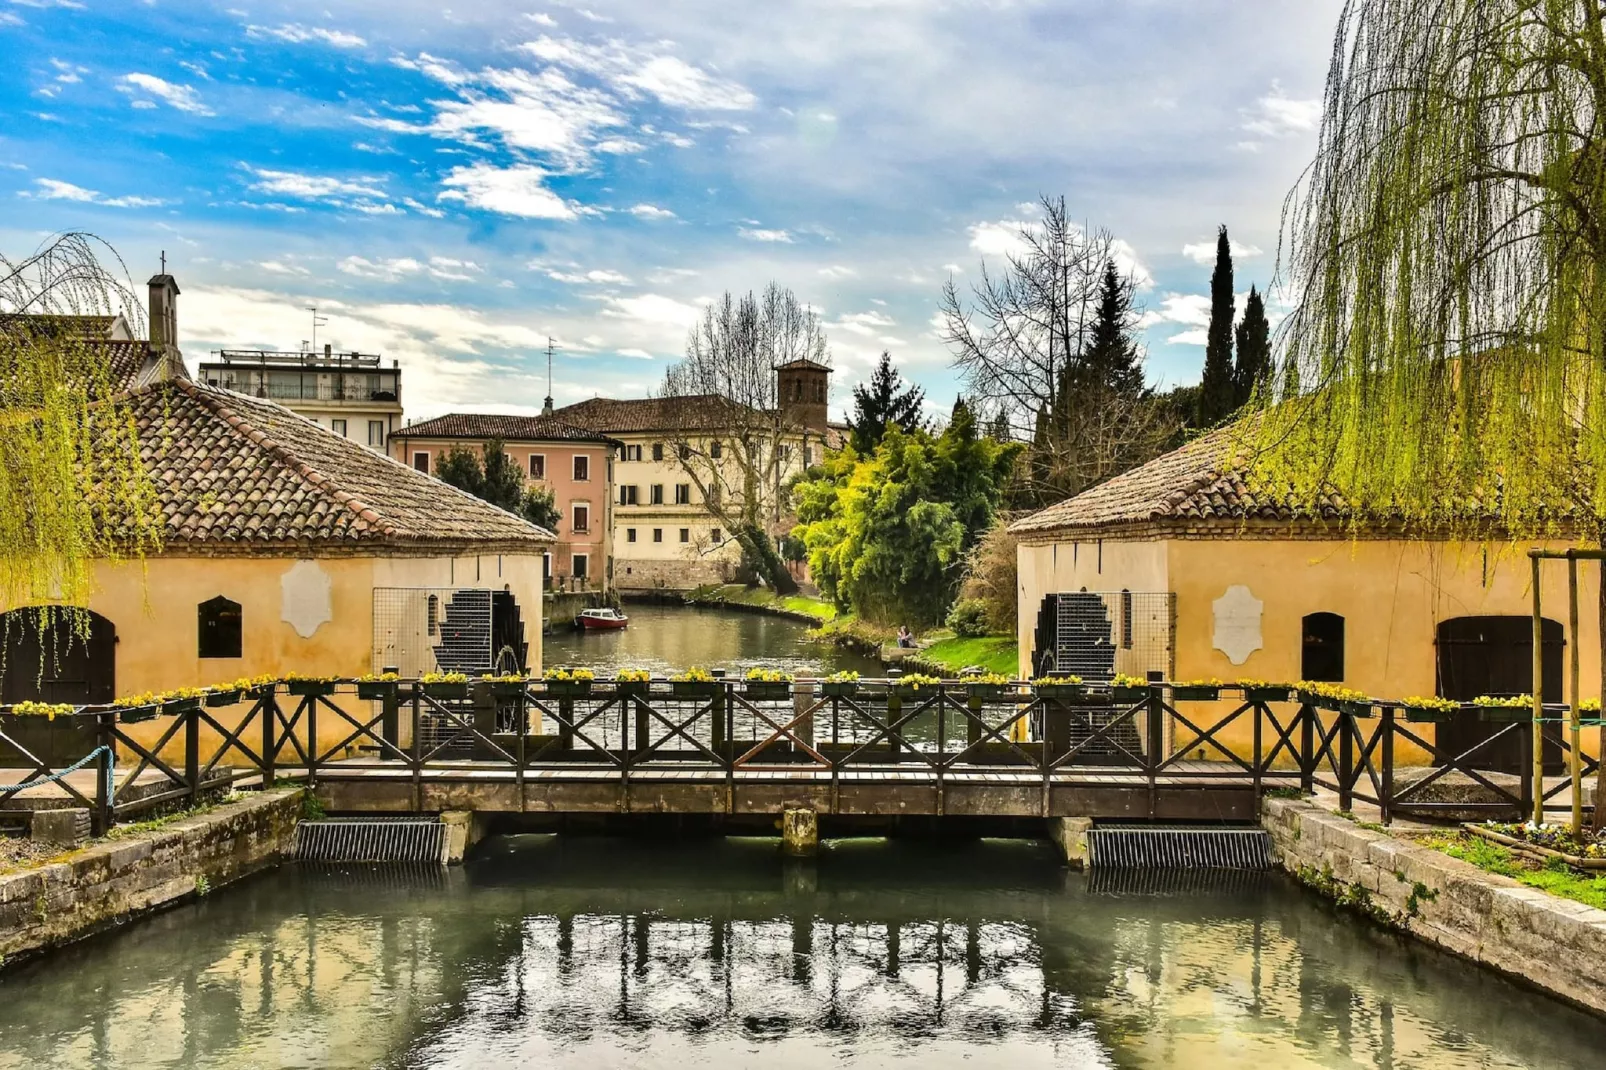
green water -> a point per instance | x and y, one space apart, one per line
601 953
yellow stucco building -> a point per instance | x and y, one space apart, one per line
1178 567
286 548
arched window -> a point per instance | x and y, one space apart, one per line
218 628
1322 648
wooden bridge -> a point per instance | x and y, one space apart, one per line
873 749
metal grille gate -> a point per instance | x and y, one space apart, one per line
1096 634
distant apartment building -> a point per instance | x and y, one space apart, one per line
351 394
576 464
665 536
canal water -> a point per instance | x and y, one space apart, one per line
668 639
601 953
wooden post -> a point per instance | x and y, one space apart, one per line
1574 743
267 709
105 787
390 715
192 754
1346 761
1538 743
1385 801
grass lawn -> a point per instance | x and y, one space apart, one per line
736 594
994 653
1555 876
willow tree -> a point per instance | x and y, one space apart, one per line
1446 364
73 490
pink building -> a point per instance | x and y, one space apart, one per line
575 464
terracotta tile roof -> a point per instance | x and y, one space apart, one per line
507 428
804 362
132 363
1201 481
697 412
238 472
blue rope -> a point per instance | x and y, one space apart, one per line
111 776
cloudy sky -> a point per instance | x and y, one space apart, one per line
450 186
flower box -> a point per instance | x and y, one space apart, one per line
1427 714
1194 693
1311 698
1505 714
376 690
768 690
447 689
1068 692
839 688
1130 694
1357 709
632 688
921 691
507 688
176 706
568 688
306 688
214 699
1267 694
694 688
137 714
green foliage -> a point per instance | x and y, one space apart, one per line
1217 399
1555 877
968 618
311 808
886 399
1252 373
887 532
1449 264
997 654
501 482
540 507
1111 360
460 468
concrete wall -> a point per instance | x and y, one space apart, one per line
1554 944
1094 565
112 882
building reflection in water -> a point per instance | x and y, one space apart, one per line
606 953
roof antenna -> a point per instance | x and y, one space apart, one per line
546 410
317 321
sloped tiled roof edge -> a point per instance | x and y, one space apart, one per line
476 425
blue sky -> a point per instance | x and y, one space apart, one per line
452 185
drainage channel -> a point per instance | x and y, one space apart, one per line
371 840
1178 848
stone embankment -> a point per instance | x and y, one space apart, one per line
1551 943
116 880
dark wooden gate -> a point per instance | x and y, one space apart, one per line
58 663
1494 656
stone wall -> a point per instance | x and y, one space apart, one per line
1555 944
646 574
114 881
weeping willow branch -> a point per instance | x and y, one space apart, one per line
1446 363
72 487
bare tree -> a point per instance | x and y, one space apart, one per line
735 442
1031 350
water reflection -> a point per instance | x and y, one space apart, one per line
669 638
603 953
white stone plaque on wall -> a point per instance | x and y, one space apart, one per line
306 605
1237 618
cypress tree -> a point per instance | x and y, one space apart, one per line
887 399
1254 352
1216 388
1111 359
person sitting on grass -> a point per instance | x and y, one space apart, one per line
906 638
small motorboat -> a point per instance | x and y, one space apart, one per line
604 619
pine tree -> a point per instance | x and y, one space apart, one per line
1253 371
1111 360
502 481
886 399
1216 389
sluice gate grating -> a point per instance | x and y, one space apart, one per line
1179 848
371 841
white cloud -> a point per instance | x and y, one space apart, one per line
594 277
279 267
1204 252
650 211
311 187
542 19
865 324
423 209
635 71
761 234
51 189
837 271
446 267
639 354
654 309
1199 336
515 191
294 33
1002 238
182 97
1277 115
1190 310
389 270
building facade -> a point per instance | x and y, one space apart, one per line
674 453
575 464
1179 567
351 394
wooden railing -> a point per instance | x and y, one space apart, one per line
1153 735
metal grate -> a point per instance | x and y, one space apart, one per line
432 629
370 841
1096 634
1179 848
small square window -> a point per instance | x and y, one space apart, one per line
582 518
582 563
338 427
657 534
716 449
685 534
682 493
717 536
582 468
657 494
421 461
537 466
630 534
657 451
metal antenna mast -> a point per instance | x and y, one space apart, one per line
317 321
547 409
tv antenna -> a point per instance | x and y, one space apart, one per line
550 346
317 321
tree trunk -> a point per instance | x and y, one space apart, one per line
765 559
1599 818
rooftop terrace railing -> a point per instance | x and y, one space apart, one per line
1154 734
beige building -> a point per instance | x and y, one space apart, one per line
350 394
1178 567
576 465
665 535
286 548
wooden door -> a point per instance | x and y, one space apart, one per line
1494 656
